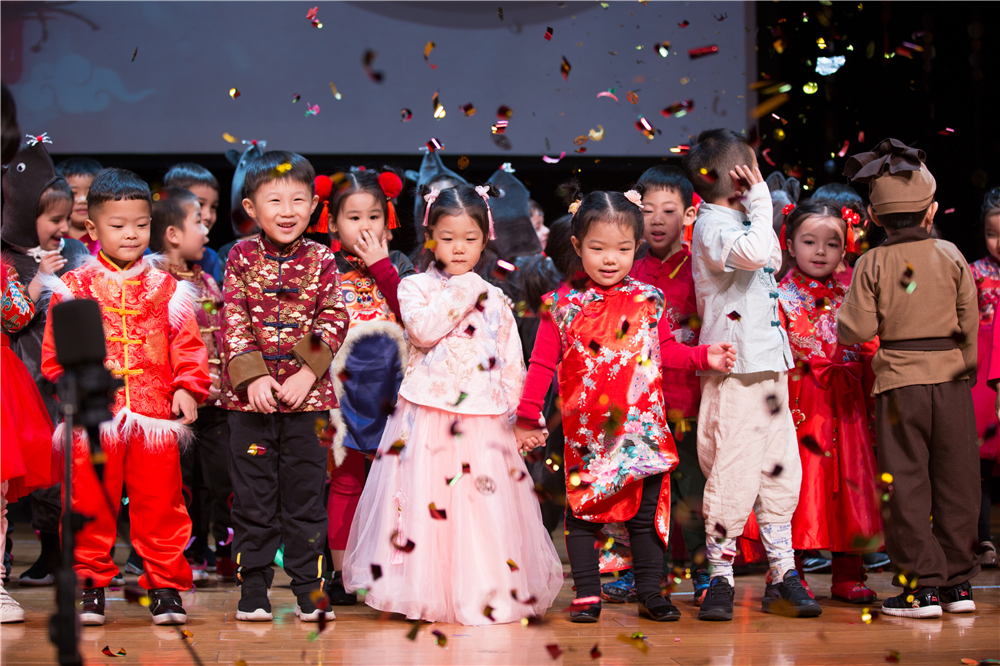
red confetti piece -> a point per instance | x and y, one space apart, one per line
607 93
946 131
108 653
470 330
490 364
702 51
766 156
482 299
405 115
513 566
548 34
436 513
892 657
466 468
949 211
734 315
553 160
376 572
434 144
861 137
406 548
554 650
344 376
843 149
684 24
564 69
469 110
255 450
234 93
504 112
632 97
595 652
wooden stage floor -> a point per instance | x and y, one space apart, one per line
359 636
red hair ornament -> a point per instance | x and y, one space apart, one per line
392 187
782 241
323 186
852 218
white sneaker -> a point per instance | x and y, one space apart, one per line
256 615
313 616
10 610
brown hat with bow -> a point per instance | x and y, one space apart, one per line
898 181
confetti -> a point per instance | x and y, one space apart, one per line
564 69
136 595
766 156
608 93
481 299
461 396
333 89
412 633
427 52
734 315
407 548
594 346
892 657
296 97
230 138
376 572
684 24
499 127
463 162
229 537
366 66
490 364
520 474
311 17
553 160
488 612
623 327
636 640
826 66
702 51
554 650
595 652
439 111
946 131
433 145
108 653
437 514
812 446
513 566
662 48
470 330
548 34
776 472
440 638
632 97
234 93
135 53
773 404
678 109
596 135
721 17
405 115
810 88
500 12
312 109
468 109
255 450
648 130
769 105
680 149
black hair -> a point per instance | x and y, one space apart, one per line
188 174
716 152
278 165
842 195
606 207
58 191
79 166
811 208
10 139
169 211
458 200
896 221
533 206
560 248
116 185
357 181
670 178
991 203
538 277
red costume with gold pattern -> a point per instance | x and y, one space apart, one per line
153 344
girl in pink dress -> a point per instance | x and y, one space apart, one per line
448 528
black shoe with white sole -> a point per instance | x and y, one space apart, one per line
92 609
922 603
166 607
307 610
958 598
254 605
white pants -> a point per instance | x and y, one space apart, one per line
748 450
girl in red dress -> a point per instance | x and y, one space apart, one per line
26 438
838 506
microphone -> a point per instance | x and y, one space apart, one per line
78 329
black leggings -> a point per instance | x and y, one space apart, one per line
987 483
647 548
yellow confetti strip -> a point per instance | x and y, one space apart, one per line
230 138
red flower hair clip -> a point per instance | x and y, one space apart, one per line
851 217
782 241
788 209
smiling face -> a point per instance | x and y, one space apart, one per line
53 224
208 199
818 245
282 207
664 218
359 212
607 252
459 242
122 228
80 185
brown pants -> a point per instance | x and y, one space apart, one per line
927 441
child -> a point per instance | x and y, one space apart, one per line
79 172
205 187
154 346
986 273
244 226
538 221
368 368
38 205
604 338
917 294
284 319
838 508
667 211
448 529
179 235
26 444
746 440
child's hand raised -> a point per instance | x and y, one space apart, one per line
370 249
51 263
528 440
721 356
297 387
260 394
745 176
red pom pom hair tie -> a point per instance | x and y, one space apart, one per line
323 186
392 186
852 218
782 241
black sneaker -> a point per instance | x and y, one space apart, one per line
958 598
42 572
922 603
254 605
338 595
166 607
814 562
134 565
8 560
311 606
92 608
585 614
659 609
718 603
875 561
790 598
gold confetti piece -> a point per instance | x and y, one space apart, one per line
230 138
333 89
769 105
234 93
887 478
598 134
439 111
810 87
463 162
513 565
565 68
427 49
187 634
636 641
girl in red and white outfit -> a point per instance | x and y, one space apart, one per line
26 440
986 273
838 508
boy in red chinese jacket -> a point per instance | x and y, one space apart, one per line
154 346
283 321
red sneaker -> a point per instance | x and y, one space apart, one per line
853 592
225 569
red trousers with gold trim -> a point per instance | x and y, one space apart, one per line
160 526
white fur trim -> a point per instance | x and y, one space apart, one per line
154 261
52 284
358 331
157 434
181 305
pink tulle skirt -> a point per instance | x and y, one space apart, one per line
483 556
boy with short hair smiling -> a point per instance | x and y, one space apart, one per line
154 346
284 319
79 172
205 187
178 233
747 444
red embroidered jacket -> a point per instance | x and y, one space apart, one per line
283 310
208 313
152 344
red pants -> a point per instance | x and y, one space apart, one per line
346 484
160 524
